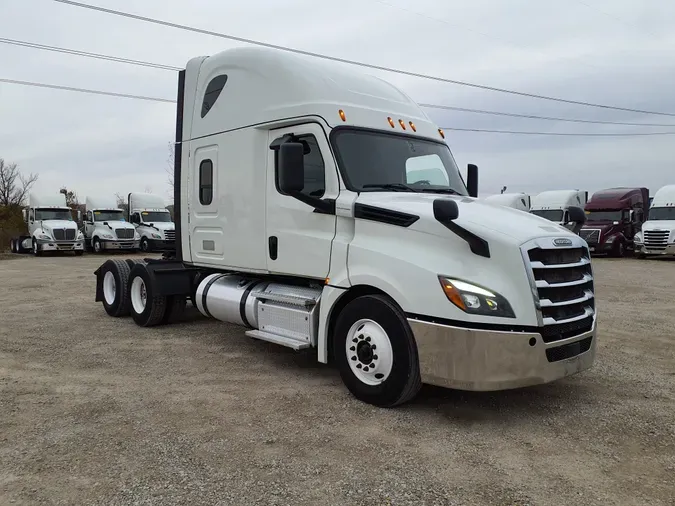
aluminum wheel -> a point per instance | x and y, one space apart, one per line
139 295
369 352
109 287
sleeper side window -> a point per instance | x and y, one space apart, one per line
212 93
205 182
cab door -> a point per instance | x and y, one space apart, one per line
299 238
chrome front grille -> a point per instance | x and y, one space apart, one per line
170 235
64 234
590 235
125 233
562 280
656 239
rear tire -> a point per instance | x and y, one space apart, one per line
115 282
146 308
376 352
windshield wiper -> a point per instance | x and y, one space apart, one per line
390 186
438 190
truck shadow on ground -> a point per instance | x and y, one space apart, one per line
460 406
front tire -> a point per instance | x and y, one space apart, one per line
376 352
145 245
147 309
36 249
96 244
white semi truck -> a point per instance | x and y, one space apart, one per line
520 201
657 237
564 207
51 227
152 220
301 216
105 227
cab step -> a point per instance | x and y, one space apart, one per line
277 339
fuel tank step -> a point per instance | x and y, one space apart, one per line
276 339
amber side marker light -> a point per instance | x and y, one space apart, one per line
400 122
453 294
342 115
412 125
441 132
391 122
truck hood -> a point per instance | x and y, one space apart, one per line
162 225
482 218
58 224
659 225
115 225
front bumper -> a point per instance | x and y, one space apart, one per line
47 245
669 250
116 244
483 360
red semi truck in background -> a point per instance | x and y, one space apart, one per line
613 217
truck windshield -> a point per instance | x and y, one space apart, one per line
53 214
109 215
550 214
374 161
662 213
155 216
604 215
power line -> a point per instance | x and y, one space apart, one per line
169 101
76 52
565 134
547 118
85 90
161 66
352 62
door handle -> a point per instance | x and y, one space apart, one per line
273 243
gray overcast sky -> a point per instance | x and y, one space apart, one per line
618 52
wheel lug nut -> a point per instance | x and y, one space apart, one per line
374 357
353 357
373 347
365 368
355 340
368 339
360 336
358 366
352 348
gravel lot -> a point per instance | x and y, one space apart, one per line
95 410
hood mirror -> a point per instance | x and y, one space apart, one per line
445 210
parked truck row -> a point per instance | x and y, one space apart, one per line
321 208
618 221
105 226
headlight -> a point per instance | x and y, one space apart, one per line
80 236
475 299
107 236
638 238
611 238
44 236
156 236
137 235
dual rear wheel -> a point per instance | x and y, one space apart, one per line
127 289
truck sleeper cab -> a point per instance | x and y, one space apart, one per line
657 237
105 227
321 208
564 207
51 227
148 213
613 217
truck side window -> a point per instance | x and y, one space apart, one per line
90 217
31 216
205 182
212 93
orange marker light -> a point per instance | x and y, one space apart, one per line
453 295
391 122
412 125
342 115
441 132
400 122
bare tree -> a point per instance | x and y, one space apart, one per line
14 186
71 197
